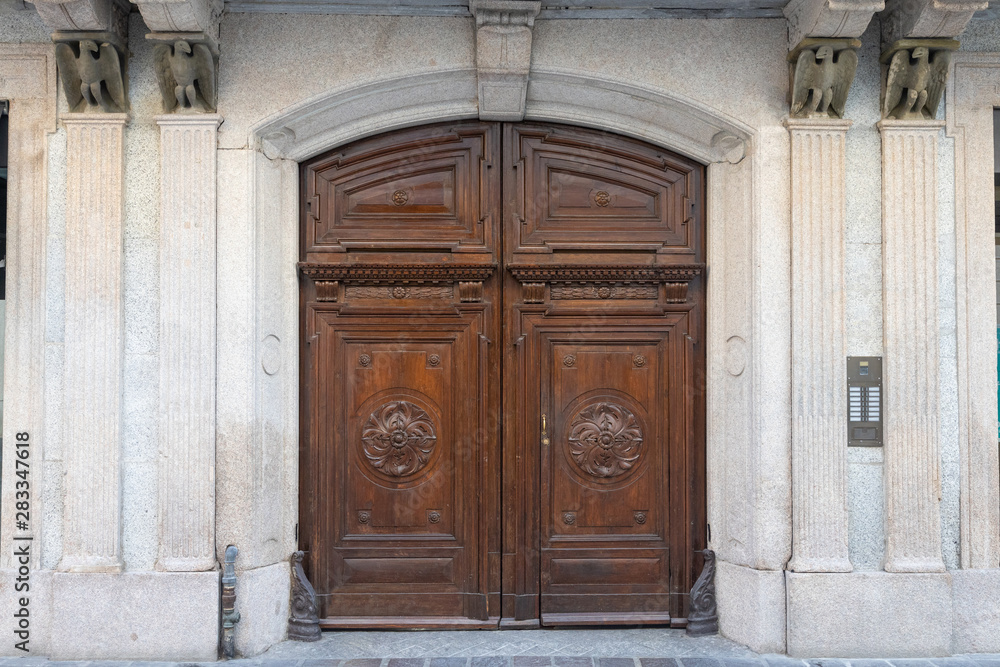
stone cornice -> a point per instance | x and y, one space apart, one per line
197 16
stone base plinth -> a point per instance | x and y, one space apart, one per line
751 606
262 600
976 611
869 614
170 616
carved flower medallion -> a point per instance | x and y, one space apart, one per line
400 197
398 439
605 440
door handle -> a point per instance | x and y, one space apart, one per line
545 432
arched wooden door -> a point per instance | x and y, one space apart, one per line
503 378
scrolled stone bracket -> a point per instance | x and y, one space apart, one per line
927 19
829 18
503 55
303 618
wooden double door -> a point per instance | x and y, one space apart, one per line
502 373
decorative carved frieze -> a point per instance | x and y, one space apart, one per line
923 19
400 292
503 55
916 75
603 291
606 282
186 71
829 18
401 274
821 77
92 68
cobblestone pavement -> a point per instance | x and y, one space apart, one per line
646 647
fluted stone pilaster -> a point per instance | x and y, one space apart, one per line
187 341
910 329
94 342
819 375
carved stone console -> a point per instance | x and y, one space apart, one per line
568 282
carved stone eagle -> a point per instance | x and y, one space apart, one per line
822 81
91 76
915 83
186 73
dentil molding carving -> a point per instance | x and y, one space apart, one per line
503 55
186 71
822 76
915 78
92 68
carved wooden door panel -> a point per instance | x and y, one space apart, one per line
398 505
467 281
603 409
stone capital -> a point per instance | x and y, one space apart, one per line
503 55
829 18
171 16
922 19
822 71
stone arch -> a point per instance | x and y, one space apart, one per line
748 471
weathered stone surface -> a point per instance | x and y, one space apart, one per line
874 614
503 55
186 458
182 15
85 16
95 346
918 19
822 77
911 368
829 18
972 95
751 606
819 379
125 616
976 611
262 596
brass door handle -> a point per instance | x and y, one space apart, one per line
545 432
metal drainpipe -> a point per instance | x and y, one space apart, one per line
230 617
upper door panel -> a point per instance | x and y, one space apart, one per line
579 190
421 189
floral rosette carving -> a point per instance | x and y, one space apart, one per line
398 439
605 440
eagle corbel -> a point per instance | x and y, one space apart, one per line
822 78
186 74
915 81
91 75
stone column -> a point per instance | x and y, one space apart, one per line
94 343
187 341
910 330
819 376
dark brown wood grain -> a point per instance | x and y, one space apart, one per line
460 282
